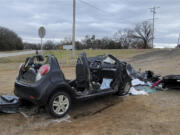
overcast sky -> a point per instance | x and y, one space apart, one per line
26 16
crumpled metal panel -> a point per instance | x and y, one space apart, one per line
9 104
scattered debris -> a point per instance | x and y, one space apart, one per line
133 91
142 83
136 82
9 104
171 81
147 89
25 115
66 118
157 83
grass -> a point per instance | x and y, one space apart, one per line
65 56
12 62
15 59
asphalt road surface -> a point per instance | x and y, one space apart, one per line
2 54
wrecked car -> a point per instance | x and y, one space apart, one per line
42 82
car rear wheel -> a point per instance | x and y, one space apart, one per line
59 104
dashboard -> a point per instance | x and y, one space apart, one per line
102 67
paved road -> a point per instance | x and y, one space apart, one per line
15 53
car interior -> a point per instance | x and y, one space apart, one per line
28 71
94 74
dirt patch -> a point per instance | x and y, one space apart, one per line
152 115
162 62
161 53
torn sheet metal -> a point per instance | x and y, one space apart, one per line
9 104
147 76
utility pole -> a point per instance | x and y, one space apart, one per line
153 10
178 40
73 28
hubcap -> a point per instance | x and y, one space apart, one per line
60 104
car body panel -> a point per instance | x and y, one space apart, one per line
42 88
40 91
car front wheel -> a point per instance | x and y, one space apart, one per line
125 90
59 104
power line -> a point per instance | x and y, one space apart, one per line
104 12
91 5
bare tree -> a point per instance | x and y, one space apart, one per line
89 41
143 34
123 38
66 41
49 45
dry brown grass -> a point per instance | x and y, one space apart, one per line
156 114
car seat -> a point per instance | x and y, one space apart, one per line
83 74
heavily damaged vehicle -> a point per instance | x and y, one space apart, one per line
42 82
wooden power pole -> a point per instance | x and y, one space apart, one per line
178 43
73 28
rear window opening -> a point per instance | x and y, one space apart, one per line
33 69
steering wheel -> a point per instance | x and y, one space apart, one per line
96 65
99 63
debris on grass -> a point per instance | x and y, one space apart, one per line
66 118
134 92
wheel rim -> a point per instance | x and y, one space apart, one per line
60 104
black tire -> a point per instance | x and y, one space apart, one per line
125 90
53 101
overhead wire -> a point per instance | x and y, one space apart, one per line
91 5
102 11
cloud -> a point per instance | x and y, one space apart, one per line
104 19
114 8
164 45
172 36
107 25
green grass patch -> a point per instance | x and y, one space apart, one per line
65 56
15 59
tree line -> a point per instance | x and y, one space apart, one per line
138 37
9 40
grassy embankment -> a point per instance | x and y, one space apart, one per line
65 57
